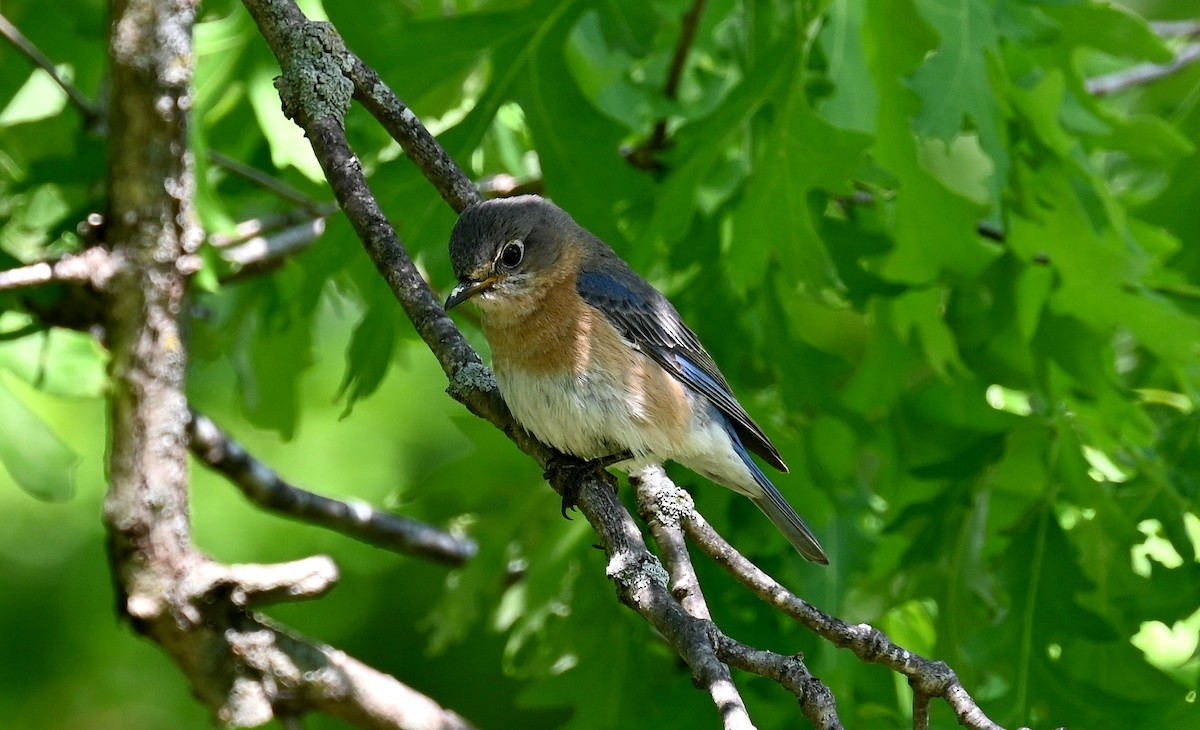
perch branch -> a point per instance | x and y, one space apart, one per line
816 700
661 505
640 579
265 488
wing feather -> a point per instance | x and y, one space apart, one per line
645 318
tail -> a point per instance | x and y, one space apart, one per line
781 514
789 523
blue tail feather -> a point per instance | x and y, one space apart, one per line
777 509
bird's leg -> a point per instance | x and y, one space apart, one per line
573 473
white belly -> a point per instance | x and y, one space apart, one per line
587 418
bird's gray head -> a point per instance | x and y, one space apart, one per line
499 247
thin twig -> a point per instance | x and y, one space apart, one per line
266 488
258 254
662 505
1143 74
404 126
506 186
643 156
90 112
275 185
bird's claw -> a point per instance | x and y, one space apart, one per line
572 473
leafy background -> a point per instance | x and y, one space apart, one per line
998 442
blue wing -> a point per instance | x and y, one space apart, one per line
644 317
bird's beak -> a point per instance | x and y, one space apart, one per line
466 289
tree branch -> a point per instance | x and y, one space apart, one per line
816 700
1144 73
265 488
94 267
420 146
869 644
196 609
311 676
253 254
661 505
1176 28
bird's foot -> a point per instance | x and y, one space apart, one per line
572 474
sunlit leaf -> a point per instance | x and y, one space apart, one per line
37 460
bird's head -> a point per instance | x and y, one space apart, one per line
501 248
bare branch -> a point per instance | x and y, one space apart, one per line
420 146
264 487
1176 28
505 186
920 710
249 585
307 675
244 668
1143 74
257 254
662 505
868 643
90 112
816 700
94 267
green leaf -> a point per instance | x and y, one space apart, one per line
775 220
934 228
852 104
37 460
954 84
39 98
702 144
1107 27
1099 271
368 354
60 362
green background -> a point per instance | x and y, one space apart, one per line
996 442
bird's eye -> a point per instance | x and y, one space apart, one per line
511 254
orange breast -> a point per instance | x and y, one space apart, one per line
627 398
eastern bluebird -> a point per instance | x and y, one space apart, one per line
595 362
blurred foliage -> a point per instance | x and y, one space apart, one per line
998 442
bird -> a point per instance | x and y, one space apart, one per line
594 361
